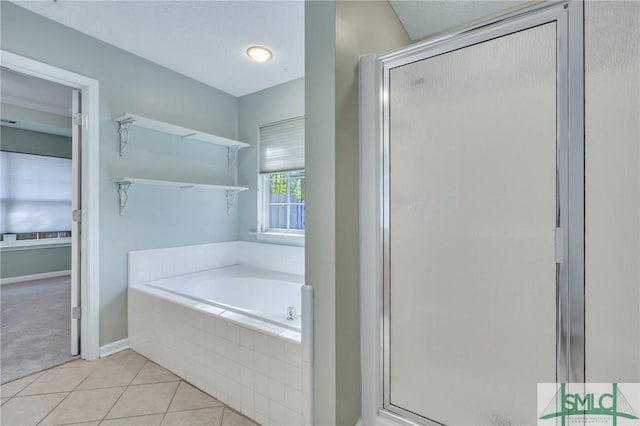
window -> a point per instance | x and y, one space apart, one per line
35 197
281 180
285 203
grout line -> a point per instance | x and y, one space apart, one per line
194 409
125 388
138 373
155 383
65 391
65 398
224 413
50 411
170 402
42 373
239 413
39 373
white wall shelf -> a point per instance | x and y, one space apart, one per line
125 182
127 120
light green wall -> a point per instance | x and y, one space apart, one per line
276 103
28 142
362 27
337 33
155 216
16 263
612 191
320 54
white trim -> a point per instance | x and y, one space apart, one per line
42 276
281 238
89 266
274 235
114 347
370 237
34 244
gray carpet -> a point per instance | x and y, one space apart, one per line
35 333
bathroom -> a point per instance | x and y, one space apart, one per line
334 36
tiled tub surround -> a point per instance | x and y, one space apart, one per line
259 367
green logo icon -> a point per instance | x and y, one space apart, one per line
588 404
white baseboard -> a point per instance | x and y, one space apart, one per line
114 347
13 280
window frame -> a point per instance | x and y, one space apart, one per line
263 232
279 235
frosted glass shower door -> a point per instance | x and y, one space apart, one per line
471 210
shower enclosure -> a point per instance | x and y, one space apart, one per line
472 224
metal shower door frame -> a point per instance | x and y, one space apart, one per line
568 16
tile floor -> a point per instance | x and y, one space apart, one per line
124 389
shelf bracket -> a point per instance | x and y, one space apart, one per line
232 153
123 129
231 199
123 195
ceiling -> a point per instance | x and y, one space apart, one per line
35 93
204 40
207 39
32 95
427 17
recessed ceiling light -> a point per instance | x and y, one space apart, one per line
259 53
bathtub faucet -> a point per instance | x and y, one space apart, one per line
291 313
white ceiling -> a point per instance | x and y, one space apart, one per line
427 17
205 40
34 93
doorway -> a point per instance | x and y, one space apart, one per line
85 124
476 249
40 198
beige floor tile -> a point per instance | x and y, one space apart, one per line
153 373
83 406
29 410
189 398
3 400
151 420
202 417
96 423
125 357
144 399
63 380
9 389
107 376
231 418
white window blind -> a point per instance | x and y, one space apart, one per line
35 193
282 146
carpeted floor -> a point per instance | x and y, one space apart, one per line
35 333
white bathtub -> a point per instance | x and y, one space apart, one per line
215 315
260 293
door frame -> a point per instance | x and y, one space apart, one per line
89 260
374 232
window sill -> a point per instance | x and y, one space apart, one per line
281 238
34 244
